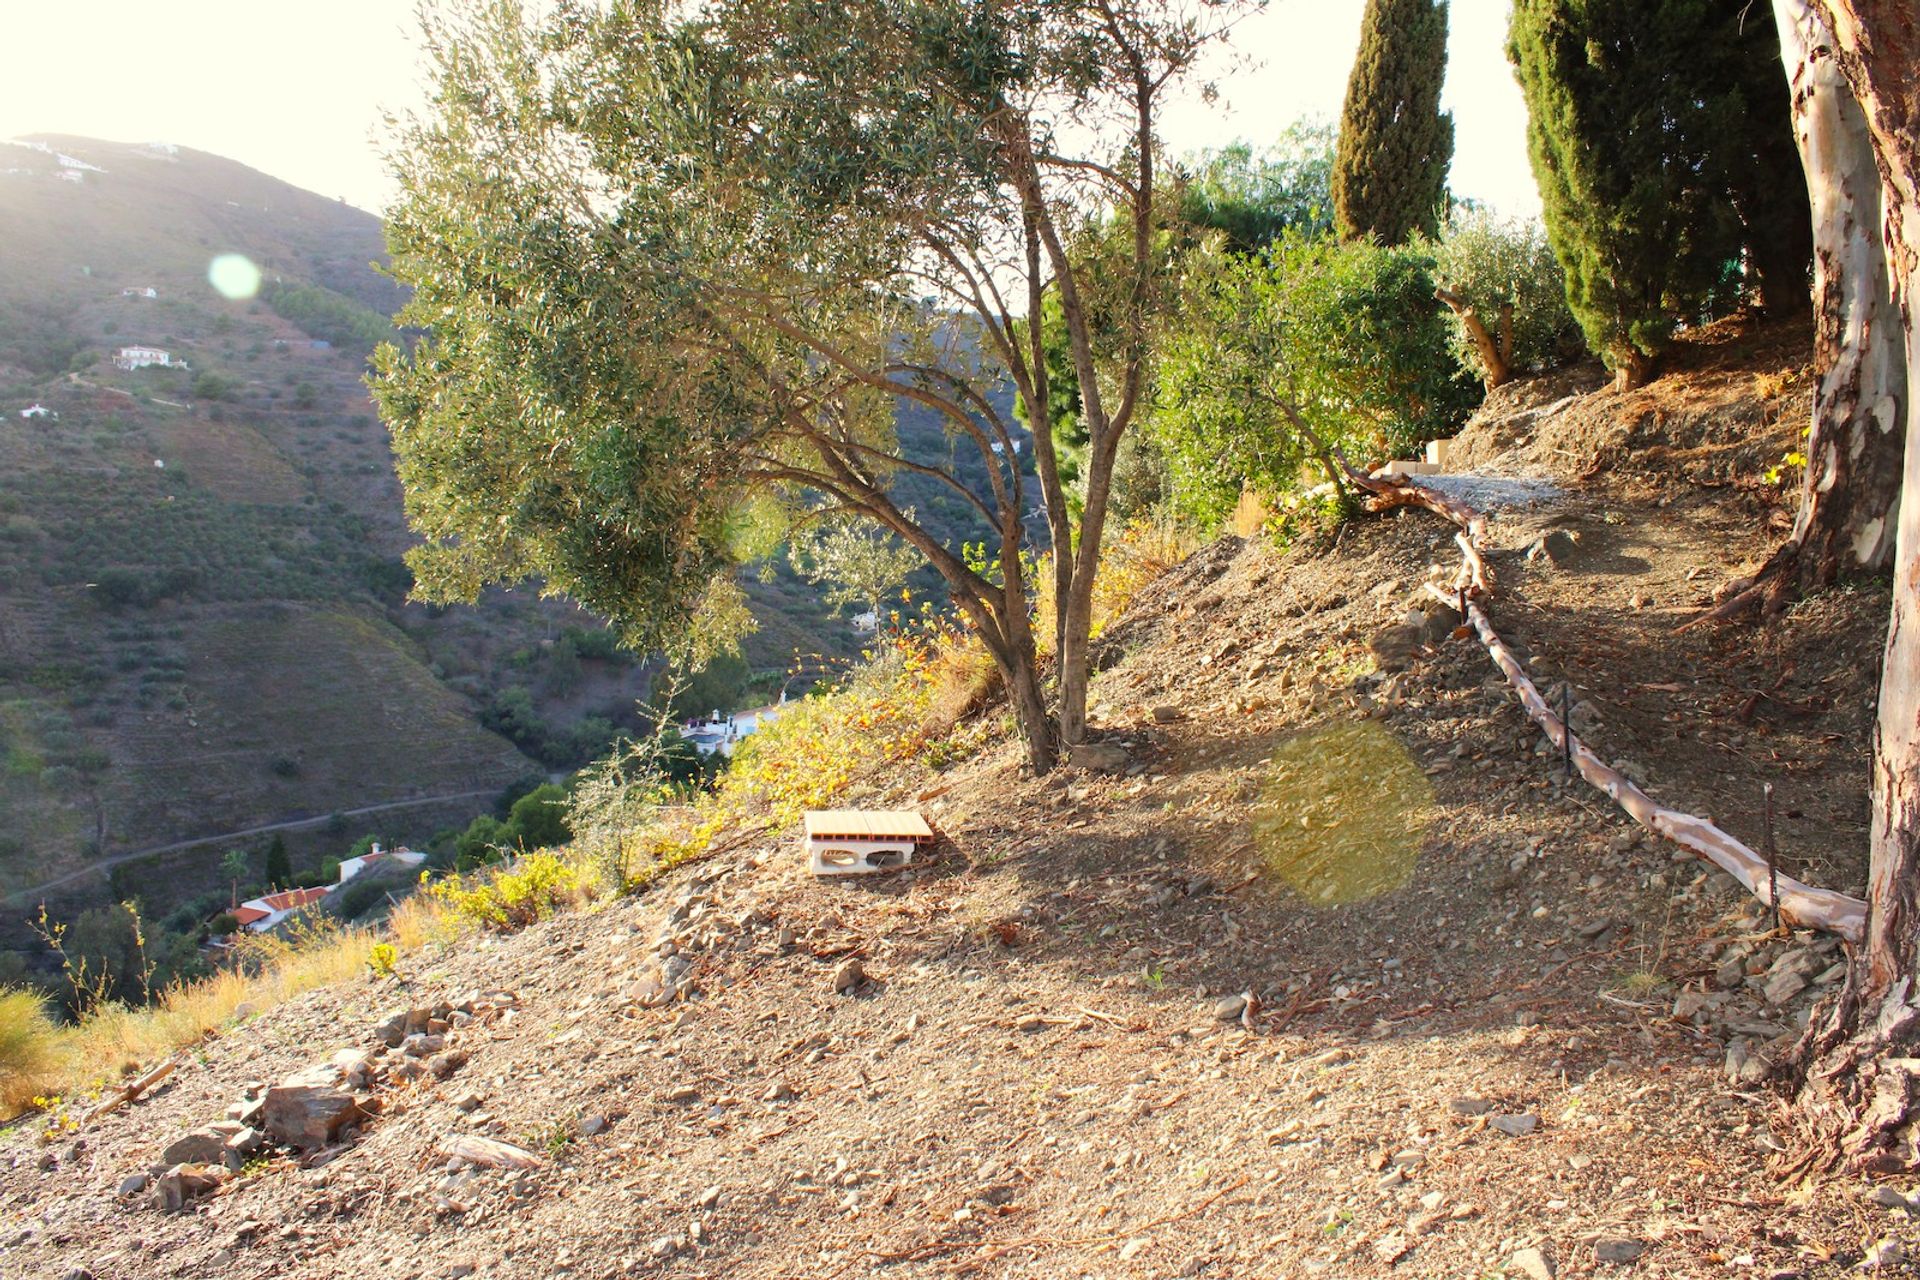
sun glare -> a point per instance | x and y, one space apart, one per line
234 276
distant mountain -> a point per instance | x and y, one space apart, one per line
202 617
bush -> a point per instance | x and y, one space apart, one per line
1492 262
538 820
513 897
31 1056
1319 343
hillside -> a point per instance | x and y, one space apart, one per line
202 617
1335 975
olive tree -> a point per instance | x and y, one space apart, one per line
677 267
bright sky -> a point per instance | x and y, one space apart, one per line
298 90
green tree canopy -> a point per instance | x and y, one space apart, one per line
677 267
1390 175
1636 110
1277 360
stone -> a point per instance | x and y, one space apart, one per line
1515 1126
850 973
593 1126
778 1091
308 1108
1556 548
184 1182
708 1198
1617 1250
133 1184
468 1101
443 1065
683 1094
1746 1065
1731 973
1469 1106
1098 757
202 1146
1165 715
1532 1264
1229 1008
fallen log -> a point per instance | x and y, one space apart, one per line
488 1153
1799 904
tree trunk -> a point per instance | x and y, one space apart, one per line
1860 1091
1851 492
1634 368
1495 354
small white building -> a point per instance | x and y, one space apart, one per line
723 733
39 411
865 624
261 914
140 291
141 357
351 867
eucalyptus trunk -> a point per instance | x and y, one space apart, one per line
1850 496
1861 1087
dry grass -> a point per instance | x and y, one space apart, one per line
40 1057
33 1058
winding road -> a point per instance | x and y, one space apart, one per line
106 864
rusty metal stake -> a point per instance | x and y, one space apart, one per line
1566 727
1766 847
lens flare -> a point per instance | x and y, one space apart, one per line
234 276
1344 812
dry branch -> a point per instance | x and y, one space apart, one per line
132 1089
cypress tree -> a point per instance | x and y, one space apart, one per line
279 864
1390 174
1632 107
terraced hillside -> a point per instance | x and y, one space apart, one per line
203 624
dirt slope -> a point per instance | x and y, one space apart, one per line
1492 1030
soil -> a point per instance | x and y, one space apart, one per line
1337 977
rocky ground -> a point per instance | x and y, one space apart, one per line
1326 972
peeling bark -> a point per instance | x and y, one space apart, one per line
1860 1081
1852 484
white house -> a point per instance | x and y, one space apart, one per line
351 867
723 733
38 411
865 624
141 291
141 357
261 914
